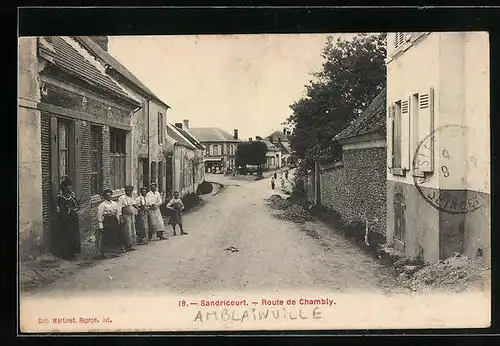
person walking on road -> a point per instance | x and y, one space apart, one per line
141 218
275 175
272 183
126 214
155 219
176 207
107 217
286 175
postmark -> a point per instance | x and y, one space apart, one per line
454 166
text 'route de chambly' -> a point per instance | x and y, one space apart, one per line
268 302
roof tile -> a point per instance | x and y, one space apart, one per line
63 55
372 120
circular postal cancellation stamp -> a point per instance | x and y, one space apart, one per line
456 168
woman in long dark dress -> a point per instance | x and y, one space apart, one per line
67 238
107 217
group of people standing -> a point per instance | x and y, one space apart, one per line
283 176
122 224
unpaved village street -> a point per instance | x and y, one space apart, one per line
235 244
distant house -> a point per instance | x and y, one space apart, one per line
355 187
75 121
281 141
273 154
438 183
148 158
184 162
220 147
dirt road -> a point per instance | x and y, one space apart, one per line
235 243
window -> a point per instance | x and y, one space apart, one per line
414 126
63 129
410 121
161 174
117 145
216 149
160 128
153 172
96 153
207 149
231 149
399 39
397 136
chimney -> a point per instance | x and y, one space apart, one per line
186 123
102 41
235 135
178 125
271 139
259 138
250 139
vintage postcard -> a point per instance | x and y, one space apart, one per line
254 182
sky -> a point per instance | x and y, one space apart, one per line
244 82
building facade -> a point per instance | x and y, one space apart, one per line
220 147
280 140
149 122
438 183
185 162
84 132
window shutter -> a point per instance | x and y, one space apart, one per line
54 158
426 126
390 136
405 134
77 185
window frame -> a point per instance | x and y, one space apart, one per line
160 128
64 124
118 158
96 130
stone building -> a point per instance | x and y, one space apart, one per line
281 141
149 122
220 147
75 122
185 168
438 143
273 155
355 187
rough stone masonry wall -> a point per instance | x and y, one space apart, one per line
358 187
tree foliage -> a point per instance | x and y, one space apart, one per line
251 153
353 74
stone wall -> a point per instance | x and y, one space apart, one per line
357 189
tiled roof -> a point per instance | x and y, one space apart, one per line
116 65
61 53
283 146
212 134
172 133
270 146
276 135
190 138
372 120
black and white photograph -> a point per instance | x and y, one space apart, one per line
239 182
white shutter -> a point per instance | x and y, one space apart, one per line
390 136
426 127
405 134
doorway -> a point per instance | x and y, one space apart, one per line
399 218
143 170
